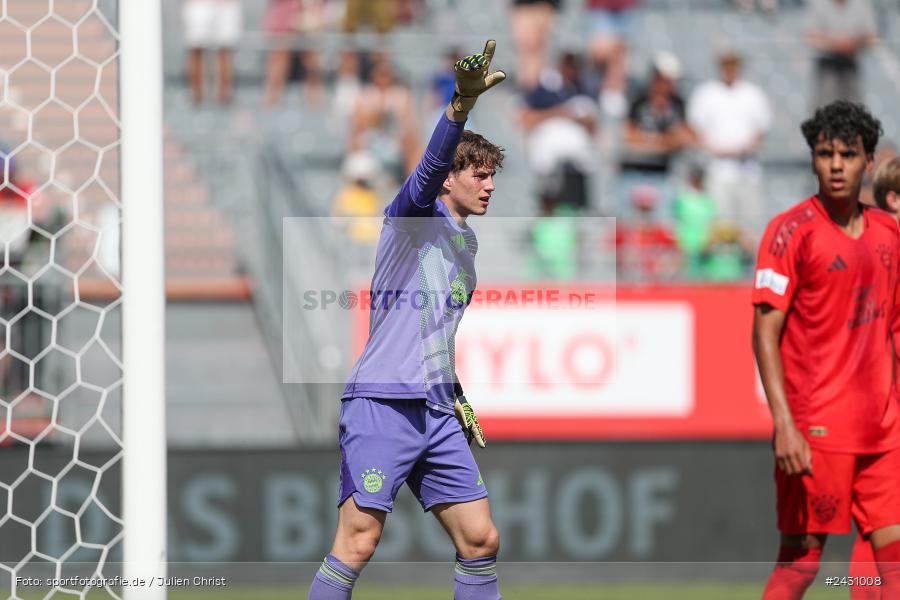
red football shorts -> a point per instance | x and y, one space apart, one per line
865 487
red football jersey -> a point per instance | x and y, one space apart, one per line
839 297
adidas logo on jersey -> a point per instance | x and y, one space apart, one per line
837 265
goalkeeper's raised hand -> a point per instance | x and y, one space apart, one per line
468 421
473 79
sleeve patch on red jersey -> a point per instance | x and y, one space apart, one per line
768 278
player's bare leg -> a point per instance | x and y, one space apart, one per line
358 533
886 543
470 527
797 566
477 541
885 536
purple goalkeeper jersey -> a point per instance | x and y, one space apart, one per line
424 279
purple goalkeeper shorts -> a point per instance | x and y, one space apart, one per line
386 442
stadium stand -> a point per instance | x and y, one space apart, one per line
233 151
219 187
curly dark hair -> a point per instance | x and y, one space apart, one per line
845 121
474 150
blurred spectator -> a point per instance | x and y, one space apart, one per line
359 201
347 83
532 23
384 121
729 254
611 24
442 85
443 81
409 12
554 239
730 117
839 30
380 14
645 248
885 153
558 122
213 25
769 6
284 20
656 131
694 211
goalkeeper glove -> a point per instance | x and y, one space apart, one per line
473 79
465 414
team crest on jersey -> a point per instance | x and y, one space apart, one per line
373 479
458 286
825 507
886 255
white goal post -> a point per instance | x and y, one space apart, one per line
143 293
82 299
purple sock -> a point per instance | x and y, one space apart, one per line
476 579
334 581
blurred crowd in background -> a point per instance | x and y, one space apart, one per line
687 175
674 158
598 121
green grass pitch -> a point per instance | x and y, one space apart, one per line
676 591
363 591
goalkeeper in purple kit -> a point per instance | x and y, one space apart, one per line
403 415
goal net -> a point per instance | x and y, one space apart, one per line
61 352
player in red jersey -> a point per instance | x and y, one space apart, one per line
825 297
886 194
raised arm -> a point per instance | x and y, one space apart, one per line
418 194
420 190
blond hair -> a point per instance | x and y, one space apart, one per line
887 179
